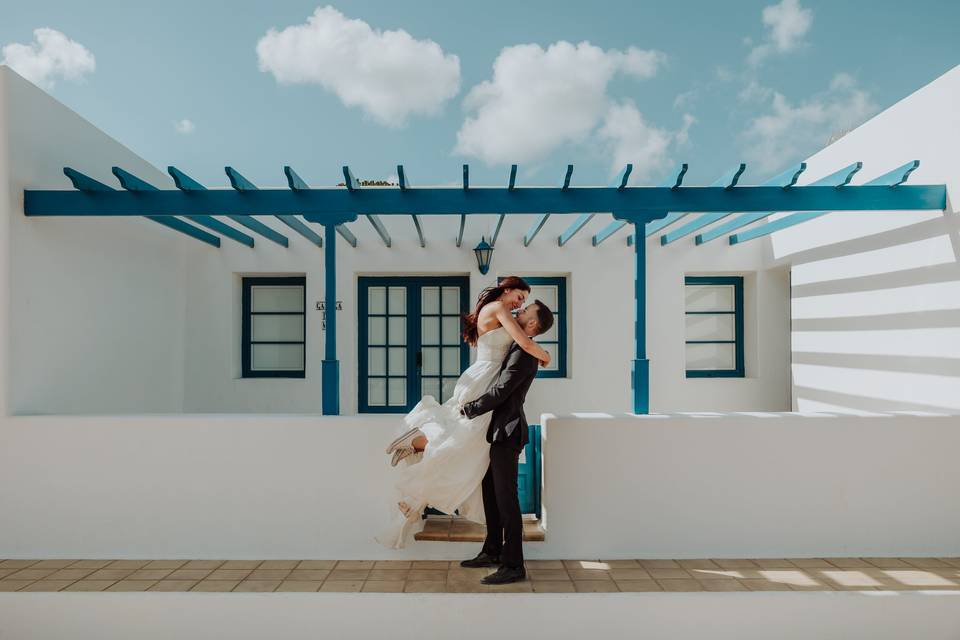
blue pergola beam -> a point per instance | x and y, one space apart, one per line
674 180
726 181
380 229
85 183
463 224
784 180
297 183
195 190
566 177
496 231
836 179
242 185
353 187
404 184
620 182
541 219
513 177
511 185
891 179
131 182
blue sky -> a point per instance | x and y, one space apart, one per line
707 83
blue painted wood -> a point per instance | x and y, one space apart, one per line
529 474
538 223
402 178
738 370
496 231
466 177
674 179
836 179
608 231
246 333
727 181
297 225
640 379
891 179
785 180
380 229
566 178
513 177
578 224
321 205
295 182
330 366
237 181
347 235
84 182
623 177
183 181
463 223
349 180
131 182
416 223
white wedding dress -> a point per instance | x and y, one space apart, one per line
457 455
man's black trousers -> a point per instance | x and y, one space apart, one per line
501 505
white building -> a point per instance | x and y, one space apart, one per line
125 399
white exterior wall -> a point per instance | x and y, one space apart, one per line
876 296
93 308
155 315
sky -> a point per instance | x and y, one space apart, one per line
434 85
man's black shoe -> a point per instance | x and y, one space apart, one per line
483 559
506 575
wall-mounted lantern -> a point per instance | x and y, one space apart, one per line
484 253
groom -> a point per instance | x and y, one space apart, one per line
507 435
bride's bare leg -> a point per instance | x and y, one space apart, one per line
419 443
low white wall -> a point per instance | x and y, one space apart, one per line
279 487
752 485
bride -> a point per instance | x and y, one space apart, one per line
447 454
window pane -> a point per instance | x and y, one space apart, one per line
548 294
430 299
397 391
377 300
276 357
431 361
710 327
377 391
451 330
398 361
272 328
398 330
554 351
430 331
376 330
430 387
709 297
398 301
276 298
554 331
451 300
451 361
711 356
449 384
376 361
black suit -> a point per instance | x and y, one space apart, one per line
507 435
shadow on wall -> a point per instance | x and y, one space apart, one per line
875 319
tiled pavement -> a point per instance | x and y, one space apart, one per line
797 574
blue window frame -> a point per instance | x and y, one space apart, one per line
552 291
714 326
274 327
410 340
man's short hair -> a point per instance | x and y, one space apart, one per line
544 317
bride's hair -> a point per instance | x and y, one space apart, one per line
487 296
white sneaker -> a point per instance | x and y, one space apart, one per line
401 453
405 440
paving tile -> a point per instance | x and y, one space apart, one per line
89 585
888 563
90 564
342 586
188 574
228 574
215 585
150 574
919 577
717 574
553 586
622 564
388 575
268 574
425 586
383 586
317 564
14 585
583 564
48 585
638 585
6 572
299 585
926 563
132 585
70 574
202 564
250 565
849 578
811 563
673 574
547 574
53 564
631 574
659 564
393 564
17 564
545 564
698 564
690 584
258 585
278 564
157 564
354 565
128 564
424 574
595 586
735 563
173 585
349 574
589 574
30 574
774 563
849 563
953 562
309 575
722 585
764 585
432 564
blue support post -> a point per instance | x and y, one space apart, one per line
641 365
330 367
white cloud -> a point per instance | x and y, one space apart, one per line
629 138
538 100
184 126
789 132
51 55
388 74
787 23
